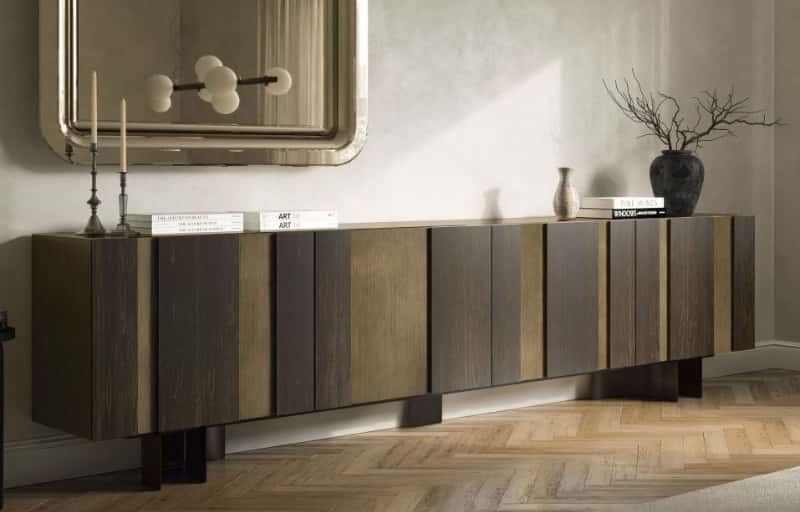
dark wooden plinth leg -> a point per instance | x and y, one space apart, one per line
215 442
152 457
651 382
175 457
2 420
691 378
422 410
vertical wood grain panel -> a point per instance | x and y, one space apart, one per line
333 319
744 257
198 357
532 301
722 284
389 292
460 308
663 276
255 326
61 297
650 291
602 296
691 297
114 333
506 298
572 298
294 322
622 293
146 337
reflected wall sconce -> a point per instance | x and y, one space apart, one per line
216 84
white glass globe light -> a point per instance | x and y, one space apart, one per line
158 87
205 64
221 81
225 103
205 95
284 83
160 105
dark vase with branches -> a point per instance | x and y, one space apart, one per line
677 174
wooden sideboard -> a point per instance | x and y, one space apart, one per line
159 337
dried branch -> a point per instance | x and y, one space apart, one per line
716 115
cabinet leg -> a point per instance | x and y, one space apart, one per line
690 378
152 457
215 442
174 457
658 382
422 410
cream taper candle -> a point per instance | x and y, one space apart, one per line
123 136
94 107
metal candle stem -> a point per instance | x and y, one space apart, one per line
123 228
93 227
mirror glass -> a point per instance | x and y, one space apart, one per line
127 41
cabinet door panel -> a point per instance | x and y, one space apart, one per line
255 326
517 303
691 297
294 322
743 330
651 291
622 293
389 314
198 298
460 308
576 298
333 319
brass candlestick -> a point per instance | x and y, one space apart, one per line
123 228
93 227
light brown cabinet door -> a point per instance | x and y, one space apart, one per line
371 316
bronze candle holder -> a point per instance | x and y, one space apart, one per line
93 227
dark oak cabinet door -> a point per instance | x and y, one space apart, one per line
517 303
294 322
198 299
622 293
743 329
651 291
691 287
460 308
576 301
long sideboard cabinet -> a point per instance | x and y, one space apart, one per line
170 338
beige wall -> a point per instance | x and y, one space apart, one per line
473 103
787 171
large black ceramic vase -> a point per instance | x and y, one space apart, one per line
677 176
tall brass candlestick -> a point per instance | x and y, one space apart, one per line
123 228
94 227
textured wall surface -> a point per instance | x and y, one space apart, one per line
787 171
473 104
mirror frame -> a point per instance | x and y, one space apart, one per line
57 55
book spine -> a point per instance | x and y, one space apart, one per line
637 213
288 225
622 203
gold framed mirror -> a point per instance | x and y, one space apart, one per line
297 71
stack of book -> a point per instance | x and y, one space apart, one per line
158 224
622 207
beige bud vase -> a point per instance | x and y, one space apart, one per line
566 202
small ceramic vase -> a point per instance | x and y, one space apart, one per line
566 202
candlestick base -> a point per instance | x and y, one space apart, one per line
124 230
93 227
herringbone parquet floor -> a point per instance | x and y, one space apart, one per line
578 455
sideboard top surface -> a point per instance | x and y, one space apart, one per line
420 224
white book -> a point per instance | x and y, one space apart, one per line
621 203
633 213
288 220
187 223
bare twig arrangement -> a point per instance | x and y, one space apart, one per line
661 114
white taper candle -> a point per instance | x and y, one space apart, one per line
94 107
123 136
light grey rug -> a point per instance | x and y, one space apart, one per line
774 492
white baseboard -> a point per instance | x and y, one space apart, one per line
62 457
